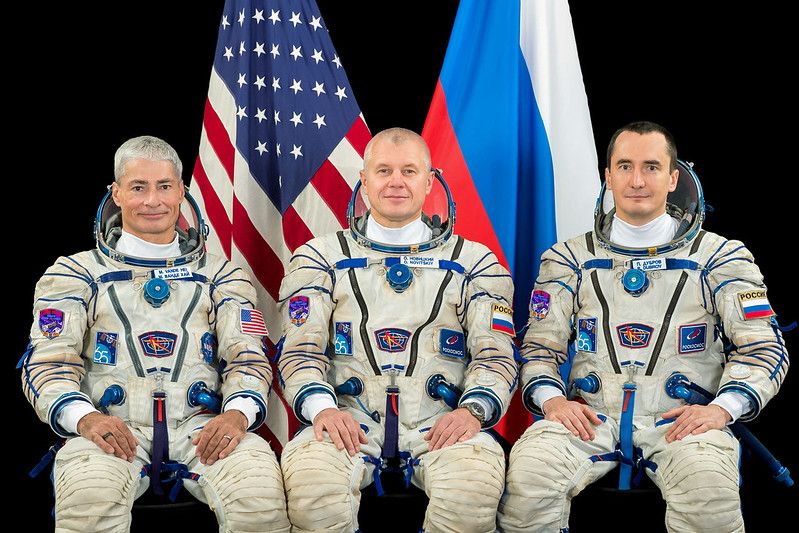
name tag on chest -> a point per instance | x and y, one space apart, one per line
416 261
173 273
658 263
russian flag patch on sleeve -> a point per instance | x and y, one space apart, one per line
754 304
502 319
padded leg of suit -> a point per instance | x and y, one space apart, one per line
94 490
548 466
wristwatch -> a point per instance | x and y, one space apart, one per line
476 410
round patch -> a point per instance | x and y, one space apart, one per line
250 380
740 372
487 380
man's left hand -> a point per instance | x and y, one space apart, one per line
456 426
695 420
220 436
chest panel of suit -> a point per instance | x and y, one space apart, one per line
163 336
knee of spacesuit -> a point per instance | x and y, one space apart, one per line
544 472
94 491
699 479
464 483
323 485
245 490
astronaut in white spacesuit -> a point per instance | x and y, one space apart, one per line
132 341
382 313
651 301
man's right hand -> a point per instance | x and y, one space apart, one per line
344 431
575 416
109 433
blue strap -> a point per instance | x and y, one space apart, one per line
682 264
391 440
598 263
359 262
451 265
641 465
119 275
27 354
626 436
160 443
410 462
610 456
376 474
671 264
46 459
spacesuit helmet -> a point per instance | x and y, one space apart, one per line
190 226
438 213
686 203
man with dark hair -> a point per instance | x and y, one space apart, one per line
656 307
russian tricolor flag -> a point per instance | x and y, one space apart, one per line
510 127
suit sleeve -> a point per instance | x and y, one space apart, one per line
247 372
488 297
305 308
757 360
545 345
52 367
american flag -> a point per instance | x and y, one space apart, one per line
252 322
281 147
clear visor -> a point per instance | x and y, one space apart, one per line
190 226
438 213
687 197
685 203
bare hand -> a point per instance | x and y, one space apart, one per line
109 433
695 420
220 436
456 426
575 416
344 431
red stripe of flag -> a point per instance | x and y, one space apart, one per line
759 314
295 232
259 255
214 210
472 221
359 135
219 139
333 189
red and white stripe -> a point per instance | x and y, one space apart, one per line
249 230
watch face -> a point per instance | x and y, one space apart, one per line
476 410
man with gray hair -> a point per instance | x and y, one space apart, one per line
134 343
383 326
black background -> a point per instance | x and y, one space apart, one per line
90 76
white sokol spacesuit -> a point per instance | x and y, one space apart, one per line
389 322
150 329
640 319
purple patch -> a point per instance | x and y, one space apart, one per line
299 309
539 304
51 322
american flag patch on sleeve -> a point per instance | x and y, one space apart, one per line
252 322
